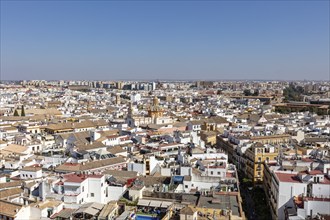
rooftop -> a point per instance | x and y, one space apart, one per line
78 178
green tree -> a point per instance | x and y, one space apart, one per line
256 92
16 113
22 111
247 92
293 93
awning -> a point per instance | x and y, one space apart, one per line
91 211
166 204
64 213
155 203
90 208
143 202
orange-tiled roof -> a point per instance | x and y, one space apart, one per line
287 177
8 208
78 178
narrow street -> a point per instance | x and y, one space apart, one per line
248 203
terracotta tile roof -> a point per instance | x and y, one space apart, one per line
270 137
59 126
100 122
199 122
10 192
78 178
109 132
47 111
187 211
10 184
48 204
103 163
9 129
33 168
73 167
64 213
15 148
217 120
152 180
121 173
68 167
24 118
287 177
8 208
91 146
116 149
84 124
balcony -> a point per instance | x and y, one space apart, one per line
70 198
72 193
55 196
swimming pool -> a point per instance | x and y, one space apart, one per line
145 217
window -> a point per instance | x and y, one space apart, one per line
101 184
259 173
32 148
30 175
92 194
49 212
83 189
186 186
218 173
211 172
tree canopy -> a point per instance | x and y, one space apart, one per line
16 113
22 111
293 93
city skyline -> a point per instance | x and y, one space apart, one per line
213 40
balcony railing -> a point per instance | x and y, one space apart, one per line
72 192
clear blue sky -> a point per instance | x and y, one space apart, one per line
112 40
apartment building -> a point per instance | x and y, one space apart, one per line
256 156
295 194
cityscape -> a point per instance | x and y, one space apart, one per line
165 150
165 110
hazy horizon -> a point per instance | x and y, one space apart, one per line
174 40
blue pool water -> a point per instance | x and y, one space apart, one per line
145 217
